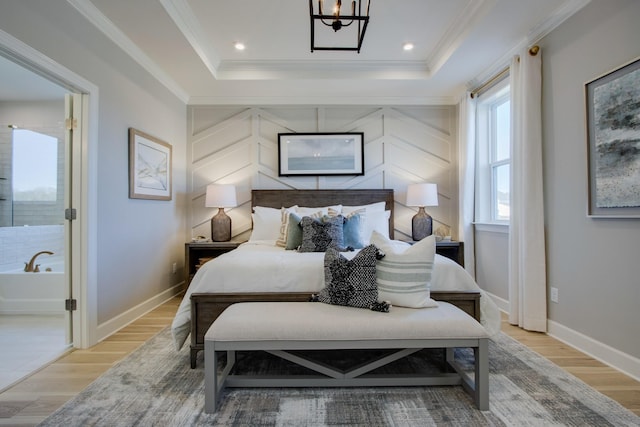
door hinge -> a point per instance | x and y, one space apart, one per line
70 214
71 123
71 304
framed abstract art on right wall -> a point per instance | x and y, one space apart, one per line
613 138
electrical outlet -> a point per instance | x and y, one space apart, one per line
554 294
174 268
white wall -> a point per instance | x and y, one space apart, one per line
137 240
593 262
238 145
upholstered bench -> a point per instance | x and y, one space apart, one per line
280 327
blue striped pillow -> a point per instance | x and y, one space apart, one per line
403 275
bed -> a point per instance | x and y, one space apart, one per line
294 276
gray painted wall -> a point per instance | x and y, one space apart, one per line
593 262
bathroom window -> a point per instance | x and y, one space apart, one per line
35 166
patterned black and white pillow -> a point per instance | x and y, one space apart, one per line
350 282
320 234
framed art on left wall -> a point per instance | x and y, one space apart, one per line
149 167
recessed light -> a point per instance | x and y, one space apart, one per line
239 45
407 46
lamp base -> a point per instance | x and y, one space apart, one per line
220 227
421 225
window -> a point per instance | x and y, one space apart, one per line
35 166
494 154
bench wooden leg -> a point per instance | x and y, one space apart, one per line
479 388
482 375
214 383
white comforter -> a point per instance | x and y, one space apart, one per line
264 267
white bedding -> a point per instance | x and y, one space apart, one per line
263 267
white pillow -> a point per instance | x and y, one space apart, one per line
266 223
404 273
324 209
377 221
373 207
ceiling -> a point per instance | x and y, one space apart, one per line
188 45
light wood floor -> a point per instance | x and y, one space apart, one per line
32 400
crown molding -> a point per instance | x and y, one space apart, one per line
537 33
316 69
187 22
323 100
109 29
473 12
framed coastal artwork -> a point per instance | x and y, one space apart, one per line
149 167
320 154
613 143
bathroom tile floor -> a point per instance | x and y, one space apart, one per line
27 343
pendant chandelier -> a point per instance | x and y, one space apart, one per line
336 21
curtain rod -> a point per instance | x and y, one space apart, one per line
533 51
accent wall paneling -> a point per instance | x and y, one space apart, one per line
238 145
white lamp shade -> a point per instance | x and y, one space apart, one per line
425 194
221 196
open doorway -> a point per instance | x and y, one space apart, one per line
34 284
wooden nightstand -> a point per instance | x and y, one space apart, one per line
196 253
451 249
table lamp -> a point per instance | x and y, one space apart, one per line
422 195
220 196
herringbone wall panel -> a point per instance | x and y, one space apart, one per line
403 145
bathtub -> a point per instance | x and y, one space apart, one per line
34 293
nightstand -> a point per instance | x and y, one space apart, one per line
196 254
451 249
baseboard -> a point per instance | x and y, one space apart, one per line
623 362
502 304
113 325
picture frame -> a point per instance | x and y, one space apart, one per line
150 166
613 143
320 154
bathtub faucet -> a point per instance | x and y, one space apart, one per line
29 268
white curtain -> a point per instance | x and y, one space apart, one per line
527 269
466 178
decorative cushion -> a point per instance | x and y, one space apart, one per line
319 235
284 225
354 229
404 273
294 230
374 218
350 282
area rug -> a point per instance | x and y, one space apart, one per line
154 386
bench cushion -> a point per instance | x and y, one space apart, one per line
312 321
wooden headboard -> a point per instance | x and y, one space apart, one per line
316 198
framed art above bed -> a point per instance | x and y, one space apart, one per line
306 154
